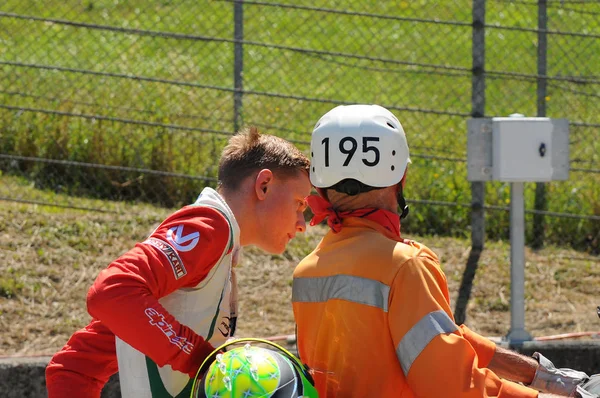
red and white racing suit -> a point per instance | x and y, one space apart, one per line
170 300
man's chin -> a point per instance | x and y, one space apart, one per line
273 249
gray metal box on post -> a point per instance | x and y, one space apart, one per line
517 149
530 149
508 149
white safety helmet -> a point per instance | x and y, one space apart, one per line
365 143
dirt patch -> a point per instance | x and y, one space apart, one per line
50 257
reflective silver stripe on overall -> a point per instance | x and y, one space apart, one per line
419 336
343 287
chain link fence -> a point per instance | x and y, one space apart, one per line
133 101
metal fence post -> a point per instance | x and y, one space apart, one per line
238 64
540 187
477 187
478 110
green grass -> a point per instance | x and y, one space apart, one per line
296 78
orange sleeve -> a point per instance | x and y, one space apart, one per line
485 348
452 363
435 356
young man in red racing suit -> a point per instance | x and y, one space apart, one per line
162 306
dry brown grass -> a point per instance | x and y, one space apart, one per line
49 258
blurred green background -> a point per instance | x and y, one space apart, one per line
133 101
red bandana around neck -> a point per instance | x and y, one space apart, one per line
322 209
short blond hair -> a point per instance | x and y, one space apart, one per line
249 151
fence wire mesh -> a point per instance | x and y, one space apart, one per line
133 101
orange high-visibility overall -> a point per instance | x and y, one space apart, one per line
374 320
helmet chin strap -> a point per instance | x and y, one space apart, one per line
402 202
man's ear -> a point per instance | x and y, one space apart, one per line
263 182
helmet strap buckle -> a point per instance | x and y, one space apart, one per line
402 203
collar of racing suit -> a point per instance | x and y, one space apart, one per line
322 210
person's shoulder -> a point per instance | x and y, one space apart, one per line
193 233
207 214
188 221
408 249
416 262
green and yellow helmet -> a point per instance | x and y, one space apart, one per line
253 371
